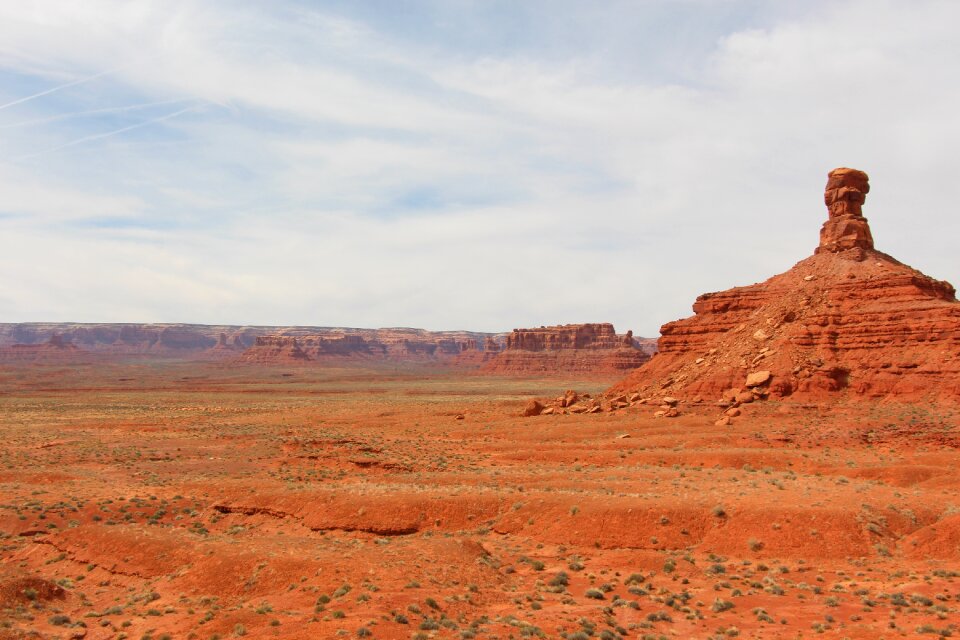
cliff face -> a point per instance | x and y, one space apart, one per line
848 320
579 348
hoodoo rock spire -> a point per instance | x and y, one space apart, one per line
848 319
846 229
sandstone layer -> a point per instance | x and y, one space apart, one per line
582 348
849 320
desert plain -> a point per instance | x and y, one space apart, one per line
156 498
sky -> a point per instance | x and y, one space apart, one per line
457 164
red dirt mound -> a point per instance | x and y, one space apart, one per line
26 589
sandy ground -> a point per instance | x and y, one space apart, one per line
185 500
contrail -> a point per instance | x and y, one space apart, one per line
57 88
100 136
91 112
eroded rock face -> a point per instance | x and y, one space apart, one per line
848 320
582 348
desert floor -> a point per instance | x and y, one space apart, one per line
186 500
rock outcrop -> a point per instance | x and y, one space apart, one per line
573 348
848 320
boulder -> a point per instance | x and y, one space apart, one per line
758 378
533 408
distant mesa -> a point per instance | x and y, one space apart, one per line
246 343
400 345
270 349
55 348
117 339
579 348
572 348
848 320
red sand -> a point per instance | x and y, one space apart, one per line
194 500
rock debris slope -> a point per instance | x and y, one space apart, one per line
849 320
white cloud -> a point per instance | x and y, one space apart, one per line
45 201
356 175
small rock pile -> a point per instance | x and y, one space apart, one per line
572 402
756 387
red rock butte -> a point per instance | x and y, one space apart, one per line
849 320
593 348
